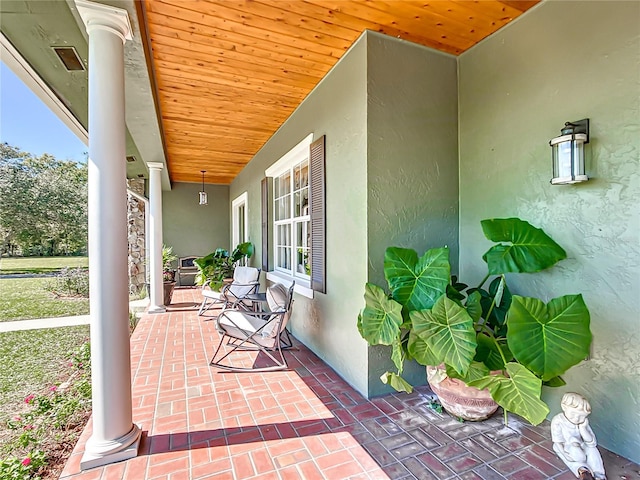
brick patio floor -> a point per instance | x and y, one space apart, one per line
303 423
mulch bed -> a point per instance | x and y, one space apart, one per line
58 452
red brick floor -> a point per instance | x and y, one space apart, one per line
302 423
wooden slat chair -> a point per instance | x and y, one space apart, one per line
263 332
246 281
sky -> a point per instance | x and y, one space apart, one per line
27 123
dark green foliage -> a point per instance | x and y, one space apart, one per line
168 270
43 204
220 264
527 249
473 331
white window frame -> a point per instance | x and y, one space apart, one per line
292 158
241 200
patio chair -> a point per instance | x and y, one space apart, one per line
262 332
245 282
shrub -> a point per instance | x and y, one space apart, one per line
52 415
24 468
133 321
71 282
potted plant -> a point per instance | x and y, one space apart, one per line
168 273
219 266
468 333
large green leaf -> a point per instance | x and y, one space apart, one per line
397 382
473 306
379 323
476 371
555 382
420 351
500 290
242 250
204 262
496 319
448 331
488 353
549 339
529 248
417 282
519 392
397 355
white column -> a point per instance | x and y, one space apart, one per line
114 436
156 296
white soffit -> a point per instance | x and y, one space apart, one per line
12 58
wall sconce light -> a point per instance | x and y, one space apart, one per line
567 153
202 194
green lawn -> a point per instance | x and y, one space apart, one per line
40 264
32 361
26 298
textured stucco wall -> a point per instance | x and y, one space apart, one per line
412 163
565 61
335 108
193 229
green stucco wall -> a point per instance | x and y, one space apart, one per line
335 108
560 62
389 113
193 229
412 163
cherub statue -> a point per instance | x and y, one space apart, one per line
573 440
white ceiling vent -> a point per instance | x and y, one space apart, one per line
69 58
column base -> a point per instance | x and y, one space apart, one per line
121 449
156 310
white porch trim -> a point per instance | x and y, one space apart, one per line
12 58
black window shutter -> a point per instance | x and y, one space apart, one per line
317 201
264 185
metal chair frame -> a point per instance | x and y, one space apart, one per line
243 340
225 296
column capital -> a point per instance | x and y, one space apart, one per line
97 16
155 165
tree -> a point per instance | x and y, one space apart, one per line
43 204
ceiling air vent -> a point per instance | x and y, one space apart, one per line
131 159
69 57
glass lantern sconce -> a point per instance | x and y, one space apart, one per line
567 152
202 194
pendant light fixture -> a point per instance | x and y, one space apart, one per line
202 194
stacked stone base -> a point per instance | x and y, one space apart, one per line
136 234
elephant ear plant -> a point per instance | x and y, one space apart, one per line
220 264
430 317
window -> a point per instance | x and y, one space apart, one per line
292 221
239 220
294 193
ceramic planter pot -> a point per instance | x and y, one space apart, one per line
458 399
168 291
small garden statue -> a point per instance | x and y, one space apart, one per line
574 441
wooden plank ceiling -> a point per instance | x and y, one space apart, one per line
228 73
